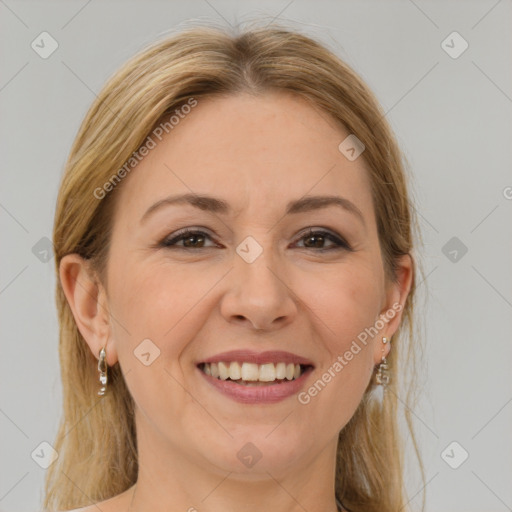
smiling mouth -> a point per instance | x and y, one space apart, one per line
252 374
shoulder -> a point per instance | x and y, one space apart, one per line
118 503
89 508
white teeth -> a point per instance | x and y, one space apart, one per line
252 372
235 371
280 370
223 370
268 372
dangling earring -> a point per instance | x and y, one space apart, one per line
383 375
102 369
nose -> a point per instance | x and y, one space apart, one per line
258 295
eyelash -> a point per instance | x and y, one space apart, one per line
341 244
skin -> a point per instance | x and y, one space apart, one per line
257 153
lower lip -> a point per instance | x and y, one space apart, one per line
269 393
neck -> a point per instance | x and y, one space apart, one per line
228 496
170 479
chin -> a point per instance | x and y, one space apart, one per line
262 450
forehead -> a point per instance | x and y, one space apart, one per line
254 151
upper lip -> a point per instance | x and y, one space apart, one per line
251 356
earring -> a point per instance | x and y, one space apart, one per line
102 369
383 376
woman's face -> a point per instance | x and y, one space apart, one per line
248 280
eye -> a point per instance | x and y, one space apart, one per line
191 239
314 239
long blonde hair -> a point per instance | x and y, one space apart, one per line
96 440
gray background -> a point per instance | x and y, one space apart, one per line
452 117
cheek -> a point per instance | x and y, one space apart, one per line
349 306
155 301
349 303
141 292
150 303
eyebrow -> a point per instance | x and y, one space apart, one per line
221 207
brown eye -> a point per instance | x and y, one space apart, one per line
314 240
317 239
191 240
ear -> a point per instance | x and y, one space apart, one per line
396 295
87 299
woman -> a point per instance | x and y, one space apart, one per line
233 243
